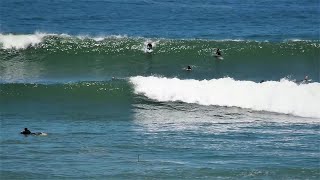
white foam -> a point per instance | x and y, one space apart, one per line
22 41
9 41
144 47
281 97
297 40
153 43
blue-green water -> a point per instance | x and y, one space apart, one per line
78 71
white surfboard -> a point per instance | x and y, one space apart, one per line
148 50
218 57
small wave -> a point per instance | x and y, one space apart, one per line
112 90
23 41
273 96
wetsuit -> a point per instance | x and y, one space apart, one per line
26 132
218 52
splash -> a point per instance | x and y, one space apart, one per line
11 41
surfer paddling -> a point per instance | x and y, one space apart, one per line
26 132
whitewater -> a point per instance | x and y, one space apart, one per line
282 97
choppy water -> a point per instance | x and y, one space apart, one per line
78 71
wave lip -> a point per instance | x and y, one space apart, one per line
281 97
9 41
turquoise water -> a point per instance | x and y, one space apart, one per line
78 71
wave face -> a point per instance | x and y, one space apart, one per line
281 97
107 91
52 57
273 96
53 66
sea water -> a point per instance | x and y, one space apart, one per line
78 71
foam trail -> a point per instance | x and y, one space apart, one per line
281 97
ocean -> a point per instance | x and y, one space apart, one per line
79 72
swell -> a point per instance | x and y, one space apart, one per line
116 44
36 57
99 91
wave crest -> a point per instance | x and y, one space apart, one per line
23 41
11 41
281 97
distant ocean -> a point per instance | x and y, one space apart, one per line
78 71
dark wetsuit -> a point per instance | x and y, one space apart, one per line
218 52
149 46
26 132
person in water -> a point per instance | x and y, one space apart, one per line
306 80
188 68
218 52
149 46
26 131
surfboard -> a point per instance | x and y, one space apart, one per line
148 50
39 134
218 56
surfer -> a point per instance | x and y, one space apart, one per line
26 131
306 80
149 46
218 52
188 68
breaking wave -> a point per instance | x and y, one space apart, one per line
281 97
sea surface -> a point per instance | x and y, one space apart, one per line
79 72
